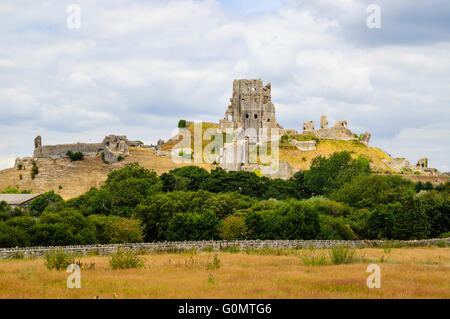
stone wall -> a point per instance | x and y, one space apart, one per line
60 150
216 245
113 147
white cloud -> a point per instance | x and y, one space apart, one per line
137 67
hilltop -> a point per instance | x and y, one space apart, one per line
70 179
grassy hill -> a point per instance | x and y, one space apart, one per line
70 179
302 159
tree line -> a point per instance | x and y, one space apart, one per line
338 198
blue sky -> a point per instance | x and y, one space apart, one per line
136 67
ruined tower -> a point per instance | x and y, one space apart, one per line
251 107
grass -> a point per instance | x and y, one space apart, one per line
342 255
126 259
416 272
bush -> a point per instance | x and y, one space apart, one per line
77 156
444 235
215 264
314 260
34 170
58 259
116 230
181 123
335 228
126 259
441 244
233 228
342 255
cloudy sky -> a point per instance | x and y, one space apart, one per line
136 67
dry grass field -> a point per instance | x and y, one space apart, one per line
405 273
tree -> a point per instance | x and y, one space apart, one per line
193 226
115 229
411 222
335 228
370 191
328 174
188 178
13 236
233 228
38 204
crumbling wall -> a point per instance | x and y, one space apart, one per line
339 131
365 138
112 147
60 150
308 128
398 164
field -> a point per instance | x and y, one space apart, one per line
405 273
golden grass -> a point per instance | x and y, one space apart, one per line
78 177
302 159
408 273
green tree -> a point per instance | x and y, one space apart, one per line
38 204
193 226
328 174
233 228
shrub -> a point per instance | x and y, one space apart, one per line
314 260
126 259
444 235
58 259
34 170
181 123
342 255
233 228
442 244
77 156
215 264
234 249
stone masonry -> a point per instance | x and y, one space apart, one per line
28 252
112 146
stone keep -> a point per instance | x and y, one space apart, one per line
251 108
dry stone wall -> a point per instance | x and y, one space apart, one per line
27 252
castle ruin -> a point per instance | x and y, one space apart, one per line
113 148
250 118
251 108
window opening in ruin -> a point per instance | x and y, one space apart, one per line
246 116
256 116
